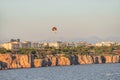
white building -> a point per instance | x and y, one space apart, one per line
55 44
104 44
25 44
11 45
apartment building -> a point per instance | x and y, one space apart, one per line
15 44
11 45
25 44
55 44
104 44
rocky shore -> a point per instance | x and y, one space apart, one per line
14 61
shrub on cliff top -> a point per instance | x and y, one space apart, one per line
26 51
3 50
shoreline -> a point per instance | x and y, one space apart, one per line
21 61
57 66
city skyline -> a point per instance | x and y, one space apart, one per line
76 20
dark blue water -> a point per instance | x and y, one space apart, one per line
78 72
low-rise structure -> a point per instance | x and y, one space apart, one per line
25 44
104 44
55 44
11 45
15 44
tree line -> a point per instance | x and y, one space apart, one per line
82 50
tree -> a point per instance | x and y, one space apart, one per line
3 50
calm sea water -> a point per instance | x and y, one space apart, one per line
78 72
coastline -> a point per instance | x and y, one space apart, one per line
18 61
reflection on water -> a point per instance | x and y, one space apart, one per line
78 72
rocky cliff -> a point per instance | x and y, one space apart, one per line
9 61
12 61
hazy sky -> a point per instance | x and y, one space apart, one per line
75 19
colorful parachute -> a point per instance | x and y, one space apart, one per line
54 29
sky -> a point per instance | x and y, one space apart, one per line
76 20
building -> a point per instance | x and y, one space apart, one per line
15 44
76 44
69 44
55 44
36 45
117 44
11 45
104 44
25 44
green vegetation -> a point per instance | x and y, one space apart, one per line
2 50
82 50
26 51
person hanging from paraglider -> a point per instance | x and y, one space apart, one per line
54 29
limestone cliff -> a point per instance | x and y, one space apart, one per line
10 61
77 59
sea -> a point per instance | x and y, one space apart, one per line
74 72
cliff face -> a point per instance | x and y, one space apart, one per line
10 61
75 60
14 61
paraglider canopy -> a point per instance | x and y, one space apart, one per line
54 29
